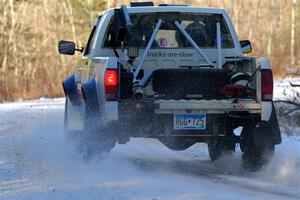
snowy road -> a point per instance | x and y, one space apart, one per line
36 163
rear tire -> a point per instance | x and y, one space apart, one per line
176 143
94 139
97 139
219 147
96 142
254 157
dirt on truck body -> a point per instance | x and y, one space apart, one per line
176 73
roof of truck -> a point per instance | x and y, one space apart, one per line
174 8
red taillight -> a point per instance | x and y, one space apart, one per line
111 84
266 85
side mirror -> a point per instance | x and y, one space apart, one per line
246 46
66 47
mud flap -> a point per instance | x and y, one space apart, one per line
74 107
90 97
69 87
74 116
267 132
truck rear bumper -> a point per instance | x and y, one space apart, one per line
207 106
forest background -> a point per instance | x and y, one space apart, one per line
30 66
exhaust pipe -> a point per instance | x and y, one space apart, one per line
138 93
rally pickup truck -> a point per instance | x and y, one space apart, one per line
176 73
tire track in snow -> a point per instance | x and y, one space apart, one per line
235 176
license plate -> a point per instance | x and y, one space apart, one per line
189 121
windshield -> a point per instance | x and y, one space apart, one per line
201 27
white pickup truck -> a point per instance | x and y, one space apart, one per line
176 73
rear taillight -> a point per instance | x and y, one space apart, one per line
266 85
111 84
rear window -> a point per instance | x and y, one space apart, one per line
201 27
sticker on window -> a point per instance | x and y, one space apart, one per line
162 42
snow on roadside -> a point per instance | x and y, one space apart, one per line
290 123
284 91
41 103
284 168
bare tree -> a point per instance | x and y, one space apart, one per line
293 17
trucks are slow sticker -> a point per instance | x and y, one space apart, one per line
170 54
